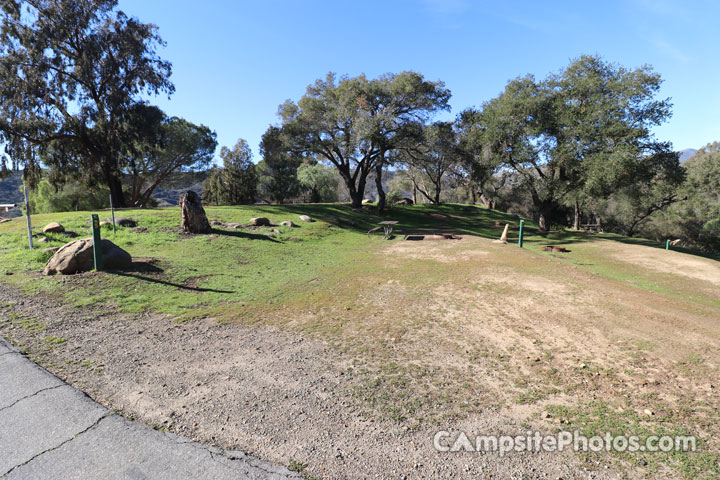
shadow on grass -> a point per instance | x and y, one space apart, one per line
249 236
137 268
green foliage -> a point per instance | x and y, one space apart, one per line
72 77
72 196
582 132
320 181
277 170
655 186
235 183
699 214
430 159
354 123
176 146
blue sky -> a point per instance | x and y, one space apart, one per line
234 62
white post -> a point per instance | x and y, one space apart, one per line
112 211
27 211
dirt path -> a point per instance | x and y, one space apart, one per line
276 395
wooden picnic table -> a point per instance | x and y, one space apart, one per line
386 226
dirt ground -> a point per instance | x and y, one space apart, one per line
472 346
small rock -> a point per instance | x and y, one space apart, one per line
51 249
287 223
43 240
648 412
366 201
105 223
53 227
306 218
217 223
260 221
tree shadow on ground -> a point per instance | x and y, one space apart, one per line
138 267
249 236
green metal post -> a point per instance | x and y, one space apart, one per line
520 236
667 244
97 243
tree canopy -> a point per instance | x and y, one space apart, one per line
354 123
177 146
581 131
72 75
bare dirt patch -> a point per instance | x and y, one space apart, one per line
467 335
670 261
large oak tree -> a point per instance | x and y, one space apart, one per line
72 74
584 131
354 124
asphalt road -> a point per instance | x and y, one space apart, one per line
50 430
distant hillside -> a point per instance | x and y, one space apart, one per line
169 193
686 154
10 193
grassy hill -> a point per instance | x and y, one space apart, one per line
427 332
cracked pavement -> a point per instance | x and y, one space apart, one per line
49 429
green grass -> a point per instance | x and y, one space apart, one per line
190 274
597 418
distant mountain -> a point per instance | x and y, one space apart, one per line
686 154
10 193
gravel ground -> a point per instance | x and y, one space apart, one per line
272 394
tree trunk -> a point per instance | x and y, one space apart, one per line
116 190
357 192
414 194
576 223
546 213
380 190
194 219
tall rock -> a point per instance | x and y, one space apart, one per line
194 219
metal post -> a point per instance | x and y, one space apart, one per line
27 211
520 235
667 244
112 211
97 243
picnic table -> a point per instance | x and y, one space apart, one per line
386 226
592 227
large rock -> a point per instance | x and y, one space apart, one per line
260 222
77 257
125 222
53 227
194 219
306 218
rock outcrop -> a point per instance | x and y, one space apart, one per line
194 219
77 256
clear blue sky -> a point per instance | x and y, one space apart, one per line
234 62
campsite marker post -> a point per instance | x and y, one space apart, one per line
27 211
97 242
667 244
520 236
